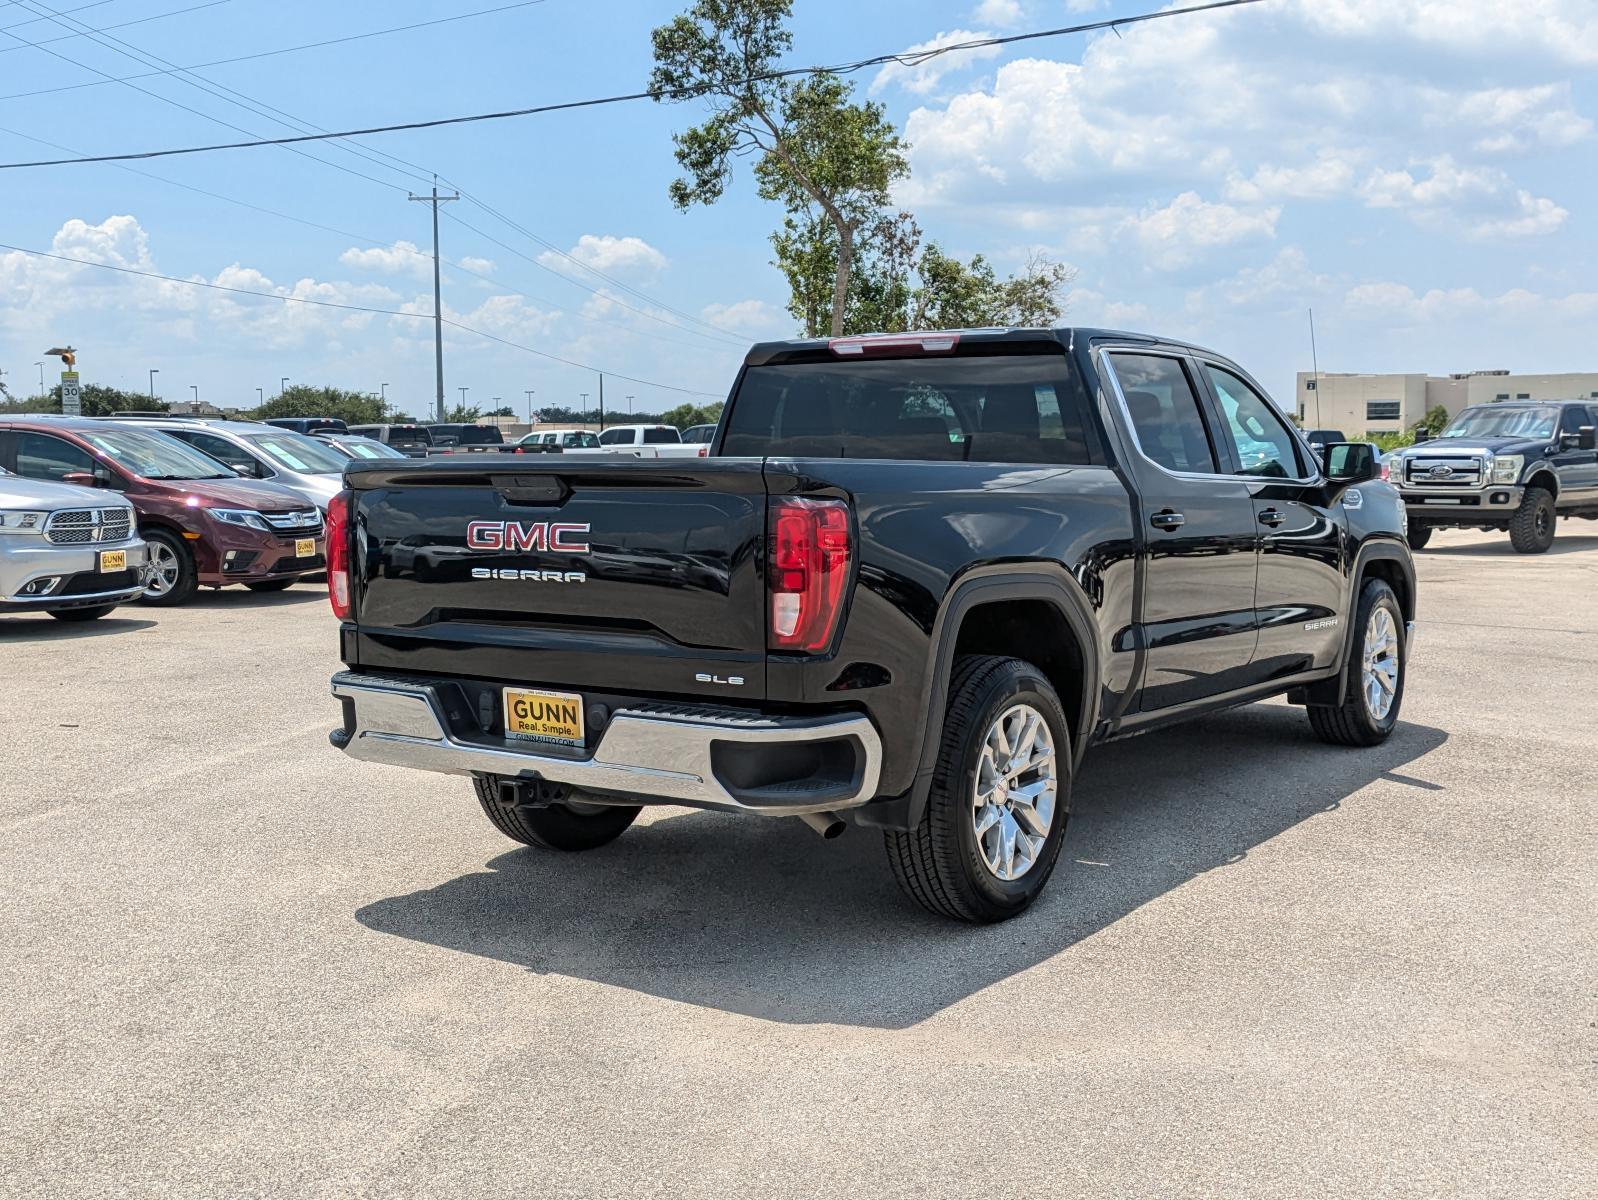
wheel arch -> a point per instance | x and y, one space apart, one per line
988 612
1543 476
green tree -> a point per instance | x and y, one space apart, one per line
462 414
684 416
824 157
1435 421
98 401
353 408
899 285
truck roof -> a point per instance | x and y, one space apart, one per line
766 352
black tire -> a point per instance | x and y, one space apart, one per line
557 827
940 864
1419 535
82 614
188 578
272 585
1531 529
1352 723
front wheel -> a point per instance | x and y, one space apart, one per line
173 577
569 825
1419 535
1531 529
1375 688
995 817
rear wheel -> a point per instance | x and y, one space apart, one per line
173 578
82 614
1375 688
1419 535
271 585
1531 529
995 817
571 824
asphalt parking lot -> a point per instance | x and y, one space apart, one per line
238 964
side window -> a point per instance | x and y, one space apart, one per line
616 437
1263 444
1574 418
40 456
221 450
1165 412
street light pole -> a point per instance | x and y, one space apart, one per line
284 386
154 371
260 397
529 406
41 377
629 407
463 403
195 388
438 307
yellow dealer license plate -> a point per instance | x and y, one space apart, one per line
544 716
304 547
113 560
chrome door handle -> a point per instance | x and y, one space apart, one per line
1272 516
1167 520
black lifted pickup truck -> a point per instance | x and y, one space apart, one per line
919 577
1516 467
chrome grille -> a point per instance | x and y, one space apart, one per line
1443 471
305 520
83 526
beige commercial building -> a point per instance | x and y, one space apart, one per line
1388 403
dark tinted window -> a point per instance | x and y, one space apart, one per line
40 456
1165 412
1016 408
665 433
1575 417
408 435
476 435
616 437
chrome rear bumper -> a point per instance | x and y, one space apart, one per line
660 752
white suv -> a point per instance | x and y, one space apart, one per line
70 551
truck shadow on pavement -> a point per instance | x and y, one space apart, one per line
761 917
1564 543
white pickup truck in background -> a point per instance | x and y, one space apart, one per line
645 441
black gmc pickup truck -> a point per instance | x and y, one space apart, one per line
920 576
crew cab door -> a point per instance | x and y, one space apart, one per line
1301 587
1577 468
1198 528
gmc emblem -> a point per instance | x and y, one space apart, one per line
540 535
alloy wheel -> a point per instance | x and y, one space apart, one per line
1379 667
1013 797
164 569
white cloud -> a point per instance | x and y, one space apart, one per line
921 78
1398 302
1181 231
1003 13
752 317
482 266
1297 100
402 258
606 253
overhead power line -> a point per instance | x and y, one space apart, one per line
67 37
569 105
222 62
360 308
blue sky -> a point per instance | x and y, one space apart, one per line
1421 172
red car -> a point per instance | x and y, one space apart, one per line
202 523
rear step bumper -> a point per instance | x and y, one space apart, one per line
673 754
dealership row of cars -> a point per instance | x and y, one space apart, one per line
100 512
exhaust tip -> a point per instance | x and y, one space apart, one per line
829 825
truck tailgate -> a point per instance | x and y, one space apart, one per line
610 574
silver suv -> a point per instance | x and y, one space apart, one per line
73 552
257 450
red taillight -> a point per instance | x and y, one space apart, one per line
896 344
704 452
808 559
1387 473
338 555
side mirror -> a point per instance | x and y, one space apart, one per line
1350 462
86 479
1422 436
1586 438
247 470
